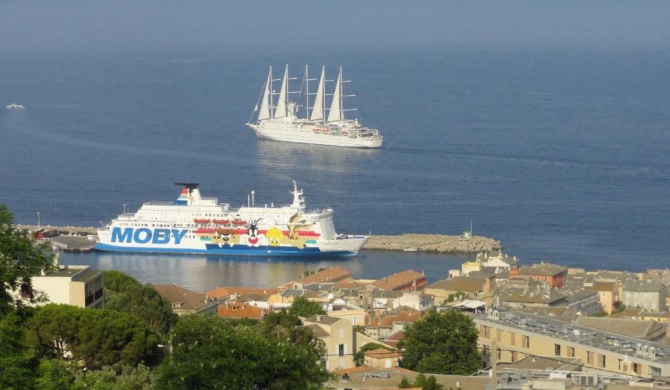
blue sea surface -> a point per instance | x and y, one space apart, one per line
561 153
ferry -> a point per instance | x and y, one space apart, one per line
193 224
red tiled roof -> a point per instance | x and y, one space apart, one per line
222 292
397 280
333 274
240 311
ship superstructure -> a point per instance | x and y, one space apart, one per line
198 225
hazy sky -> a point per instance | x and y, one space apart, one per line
92 25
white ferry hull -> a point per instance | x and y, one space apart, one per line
196 225
306 135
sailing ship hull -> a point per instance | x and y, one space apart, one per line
196 225
291 132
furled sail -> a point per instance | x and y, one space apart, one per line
335 114
319 100
282 101
264 113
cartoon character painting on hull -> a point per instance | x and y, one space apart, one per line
253 238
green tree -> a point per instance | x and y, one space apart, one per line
303 307
429 383
441 343
21 258
212 353
16 361
124 293
54 374
359 357
97 337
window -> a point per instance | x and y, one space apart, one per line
515 357
637 368
601 361
525 341
589 357
571 352
654 371
512 336
499 335
340 350
557 349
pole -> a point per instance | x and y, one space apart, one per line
38 219
494 364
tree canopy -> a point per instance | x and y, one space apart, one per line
124 293
303 307
441 343
96 337
212 353
21 258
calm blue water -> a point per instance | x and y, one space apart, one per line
559 153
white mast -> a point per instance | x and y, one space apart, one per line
335 114
264 113
281 111
319 100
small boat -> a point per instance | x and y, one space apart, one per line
411 249
14 106
202 221
238 222
221 221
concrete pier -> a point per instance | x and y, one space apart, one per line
433 243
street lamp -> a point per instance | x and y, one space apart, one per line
38 219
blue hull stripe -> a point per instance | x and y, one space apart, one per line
214 249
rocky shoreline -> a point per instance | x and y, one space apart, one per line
433 243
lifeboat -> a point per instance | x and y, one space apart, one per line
238 222
202 220
221 221
205 231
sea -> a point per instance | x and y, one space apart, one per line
560 153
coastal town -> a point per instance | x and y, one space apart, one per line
540 326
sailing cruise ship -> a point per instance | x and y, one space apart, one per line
197 225
277 119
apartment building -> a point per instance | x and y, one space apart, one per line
518 335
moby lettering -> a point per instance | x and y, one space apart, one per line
146 235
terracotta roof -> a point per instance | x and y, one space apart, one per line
604 286
240 311
222 292
403 316
461 283
381 353
334 274
542 269
398 280
181 298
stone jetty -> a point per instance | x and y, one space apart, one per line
433 243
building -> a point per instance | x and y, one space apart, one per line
185 301
72 285
340 339
518 335
608 295
402 281
646 295
552 274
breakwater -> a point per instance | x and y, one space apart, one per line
433 243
